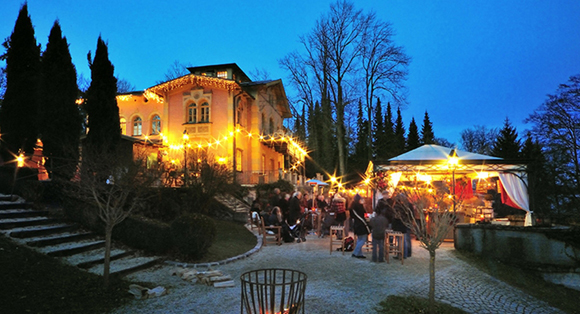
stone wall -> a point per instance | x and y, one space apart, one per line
555 249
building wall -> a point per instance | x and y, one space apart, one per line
256 157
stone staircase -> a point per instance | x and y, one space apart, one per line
240 209
65 241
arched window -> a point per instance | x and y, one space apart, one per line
204 112
123 124
192 113
137 126
156 125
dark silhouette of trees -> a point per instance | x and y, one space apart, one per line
413 136
399 139
427 134
60 120
507 144
478 139
101 102
19 110
345 46
556 126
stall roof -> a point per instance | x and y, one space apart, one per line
435 158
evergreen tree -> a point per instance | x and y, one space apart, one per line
59 114
300 126
19 112
359 158
378 132
389 133
507 145
413 136
101 103
427 135
539 186
399 139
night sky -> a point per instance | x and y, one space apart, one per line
473 62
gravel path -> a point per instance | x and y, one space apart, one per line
342 284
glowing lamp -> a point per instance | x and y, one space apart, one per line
20 161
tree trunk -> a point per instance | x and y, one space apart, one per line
432 281
107 264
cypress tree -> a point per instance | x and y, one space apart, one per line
507 145
413 136
101 103
539 187
399 139
19 112
60 119
427 135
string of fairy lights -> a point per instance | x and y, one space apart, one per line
294 147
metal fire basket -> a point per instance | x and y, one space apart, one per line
273 291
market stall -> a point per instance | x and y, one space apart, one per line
472 179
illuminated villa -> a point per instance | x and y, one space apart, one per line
218 112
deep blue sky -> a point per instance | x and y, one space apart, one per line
474 62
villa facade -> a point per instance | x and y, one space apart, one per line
218 112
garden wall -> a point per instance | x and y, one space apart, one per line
542 247
555 252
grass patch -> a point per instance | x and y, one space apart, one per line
232 239
35 283
410 305
528 281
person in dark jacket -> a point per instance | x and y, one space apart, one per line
379 224
398 225
284 204
294 208
361 228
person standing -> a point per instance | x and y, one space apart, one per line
294 208
361 228
275 198
379 224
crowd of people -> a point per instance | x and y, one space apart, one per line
300 212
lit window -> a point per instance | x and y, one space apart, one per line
204 112
239 160
192 113
137 126
222 74
123 123
156 125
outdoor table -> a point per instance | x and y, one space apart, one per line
395 244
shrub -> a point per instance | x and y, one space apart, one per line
144 234
164 206
193 234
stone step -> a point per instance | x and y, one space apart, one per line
22 213
63 238
114 257
8 198
15 205
26 222
128 265
39 231
89 256
76 249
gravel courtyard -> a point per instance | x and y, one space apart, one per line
340 283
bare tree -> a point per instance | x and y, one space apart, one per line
478 139
176 69
124 86
384 65
415 209
344 46
115 186
260 74
557 129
